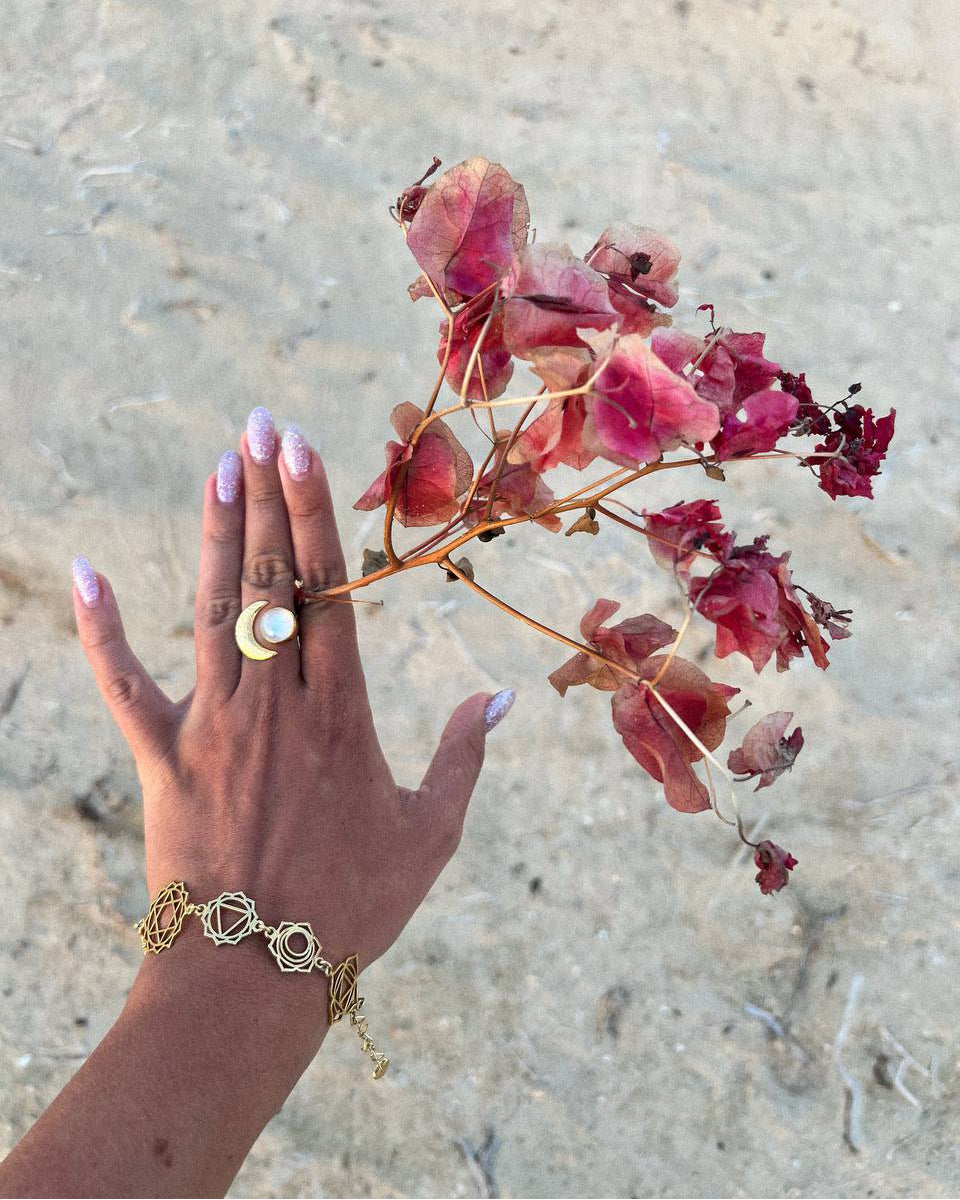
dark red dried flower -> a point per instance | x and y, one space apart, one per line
752 601
775 863
810 416
861 445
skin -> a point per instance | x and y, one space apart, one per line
267 778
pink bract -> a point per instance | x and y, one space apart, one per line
657 742
627 643
641 407
549 294
468 226
439 471
769 415
520 491
495 367
766 751
643 260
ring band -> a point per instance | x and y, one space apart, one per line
272 623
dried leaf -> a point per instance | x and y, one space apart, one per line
373 560
465 566
584 524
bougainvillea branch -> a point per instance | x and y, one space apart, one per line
621 385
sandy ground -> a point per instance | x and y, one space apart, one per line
193 220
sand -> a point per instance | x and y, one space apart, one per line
595 1000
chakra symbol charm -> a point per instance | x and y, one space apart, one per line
229 918
292 958
170 902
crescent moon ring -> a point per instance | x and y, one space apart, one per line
245 636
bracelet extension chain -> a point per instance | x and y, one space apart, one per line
233 916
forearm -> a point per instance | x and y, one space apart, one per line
207 1048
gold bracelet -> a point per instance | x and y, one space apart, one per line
233 916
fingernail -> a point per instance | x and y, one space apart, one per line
296 452
86 581
497 707
261 434
229 474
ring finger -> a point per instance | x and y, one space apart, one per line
267 551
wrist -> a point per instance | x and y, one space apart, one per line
238 989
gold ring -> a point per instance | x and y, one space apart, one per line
272 623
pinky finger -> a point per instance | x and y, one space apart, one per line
145 715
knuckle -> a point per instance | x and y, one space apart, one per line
219 610
267 497
100 639
306 505
123 690
319 575
223 535
266 569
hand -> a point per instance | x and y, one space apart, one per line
268 777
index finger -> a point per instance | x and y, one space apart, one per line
328 632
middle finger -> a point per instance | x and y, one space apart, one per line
268 550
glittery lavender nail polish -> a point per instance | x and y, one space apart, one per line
497 707
85 581
229 474
296 452
261 434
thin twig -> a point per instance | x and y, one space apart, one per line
853 1088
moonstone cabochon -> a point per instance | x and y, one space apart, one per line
276 625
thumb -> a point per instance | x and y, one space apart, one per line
452 774
143 712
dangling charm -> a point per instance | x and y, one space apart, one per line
345 1000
